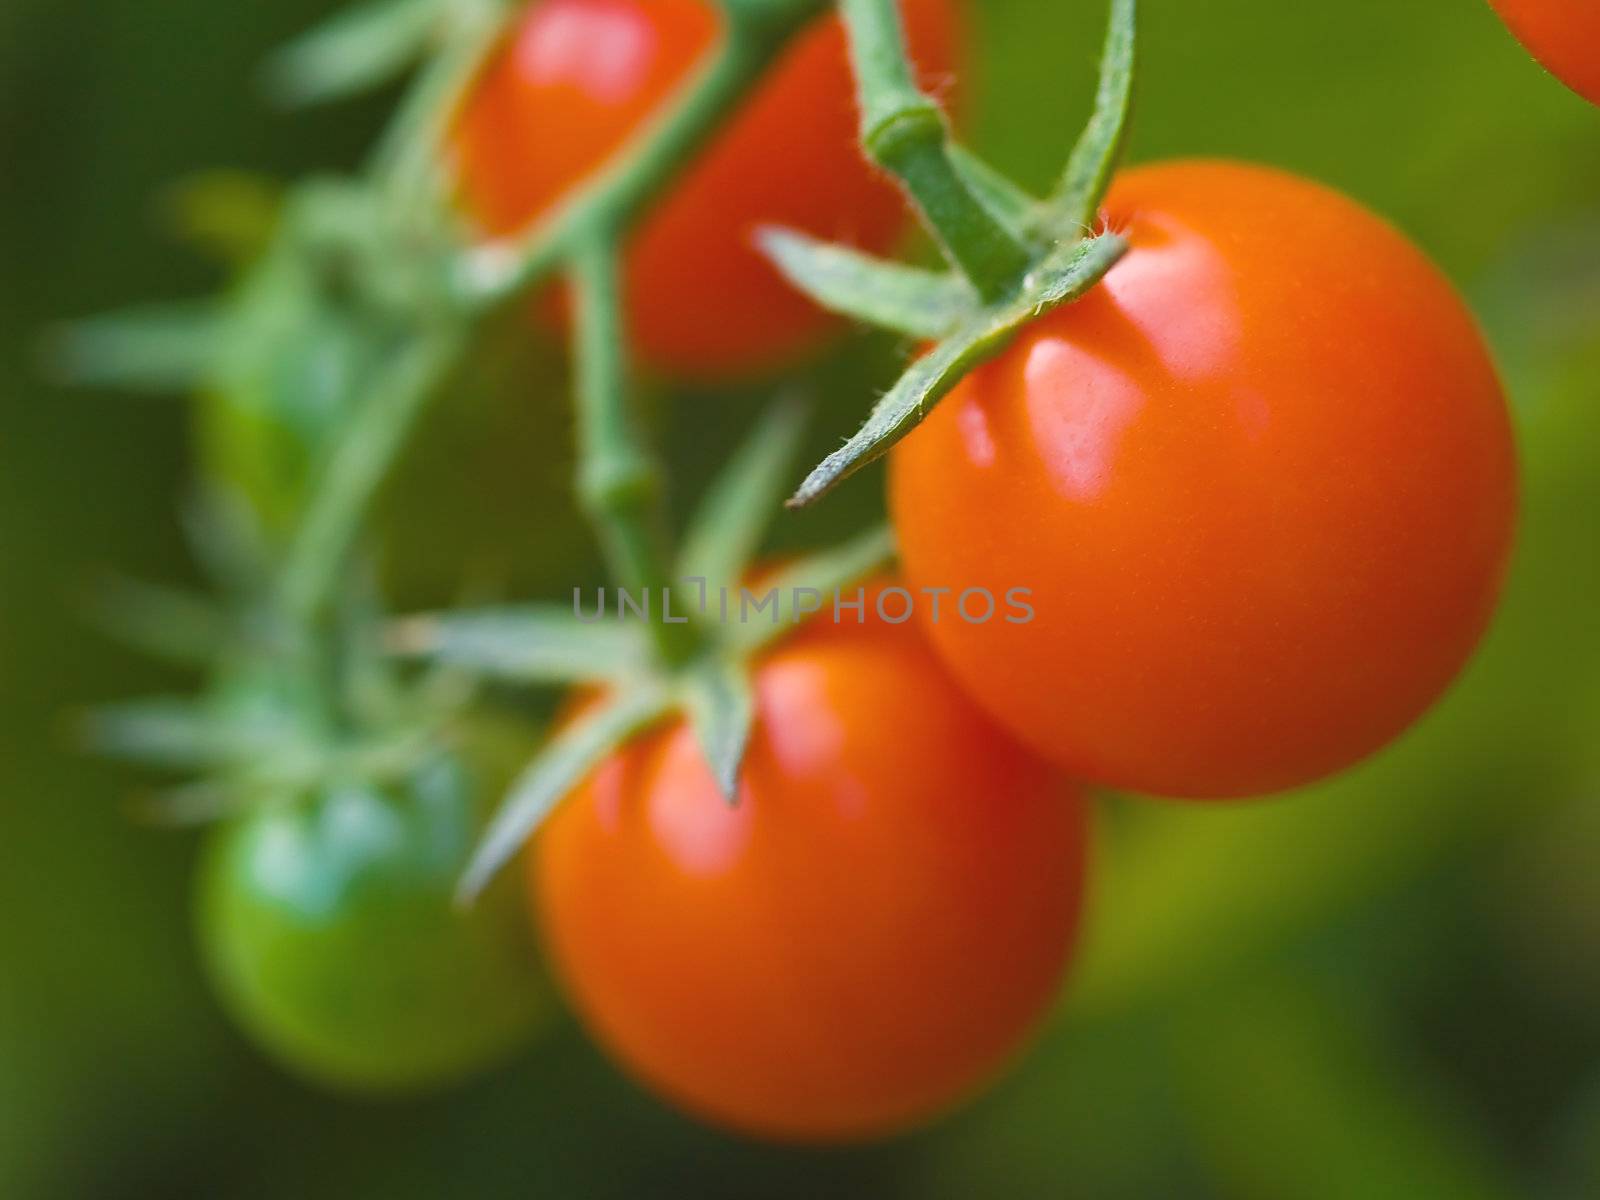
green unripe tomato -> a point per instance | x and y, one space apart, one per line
330 931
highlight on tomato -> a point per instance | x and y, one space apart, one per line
1564 35
1260 482
575 81
329 928
863 939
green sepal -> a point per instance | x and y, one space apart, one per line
557 769
229 545
355 50
173 732
201 802
875 291
727 528
165 623
1065 275
1094 159
824 573
721 705
525 644
161 349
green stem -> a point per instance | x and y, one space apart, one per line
408 150
756 32
361 460
619 482
905 132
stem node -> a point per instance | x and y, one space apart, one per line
905 133
623 482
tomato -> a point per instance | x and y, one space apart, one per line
1260 483
330 930
575 81
865 937
1564 35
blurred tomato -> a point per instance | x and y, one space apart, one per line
577 79
864 938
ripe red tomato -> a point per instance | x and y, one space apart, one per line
1564 35
1260 482
577 78
864 938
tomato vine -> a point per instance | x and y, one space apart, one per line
376 287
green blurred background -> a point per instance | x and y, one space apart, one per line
1388 986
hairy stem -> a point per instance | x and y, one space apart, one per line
356 469
619 481
905 132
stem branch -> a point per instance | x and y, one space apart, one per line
619 482
356 469
755 34
905 132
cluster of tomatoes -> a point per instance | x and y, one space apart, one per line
1259 486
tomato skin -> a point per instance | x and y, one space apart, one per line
1260 482
330 933
577 78
867 936
1564 35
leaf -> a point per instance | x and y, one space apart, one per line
1063 277
160 349
727 529
819 576
536 643
1094 159
889 295
722 709
357 49
559 768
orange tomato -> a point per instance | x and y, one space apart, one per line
864 938
575 81
1260 483
1564 35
